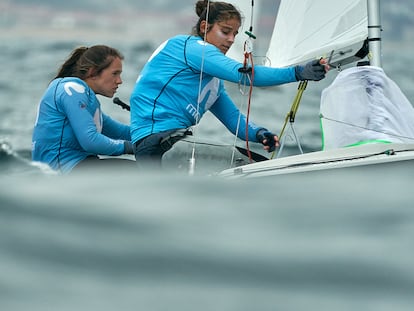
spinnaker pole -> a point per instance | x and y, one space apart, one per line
374 32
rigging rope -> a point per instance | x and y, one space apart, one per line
365 128
248 57
246 70
293 110
191 168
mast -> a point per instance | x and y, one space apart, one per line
374 32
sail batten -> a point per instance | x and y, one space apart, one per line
309 29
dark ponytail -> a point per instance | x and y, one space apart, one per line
82 59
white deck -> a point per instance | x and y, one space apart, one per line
364 155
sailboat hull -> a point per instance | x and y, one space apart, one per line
364 157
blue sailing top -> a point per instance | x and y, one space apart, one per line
166 92
70 126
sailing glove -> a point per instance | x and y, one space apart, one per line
263 135
311 71
128 147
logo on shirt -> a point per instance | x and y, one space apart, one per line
209 93
193 112
69 86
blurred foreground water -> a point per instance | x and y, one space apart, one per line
156 241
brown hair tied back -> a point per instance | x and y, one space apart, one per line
200 7
218 12
82 59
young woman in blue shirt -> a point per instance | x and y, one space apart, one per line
184 78
70 127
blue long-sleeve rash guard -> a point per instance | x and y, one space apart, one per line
70 126
166 92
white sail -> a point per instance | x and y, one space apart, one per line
309 29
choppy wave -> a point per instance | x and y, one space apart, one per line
18 163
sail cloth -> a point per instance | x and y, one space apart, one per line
309 29
364 105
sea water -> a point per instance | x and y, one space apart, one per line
169 241
150 241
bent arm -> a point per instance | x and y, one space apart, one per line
84 126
